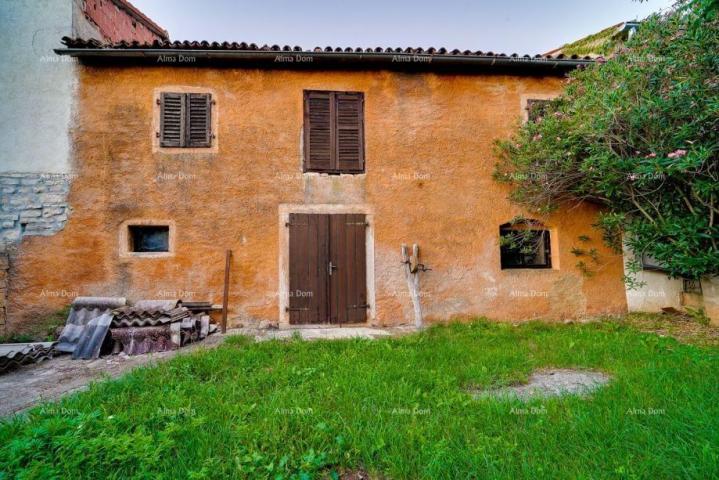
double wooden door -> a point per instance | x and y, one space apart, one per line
328 271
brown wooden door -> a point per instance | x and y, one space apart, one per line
327 269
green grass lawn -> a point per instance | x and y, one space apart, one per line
395 408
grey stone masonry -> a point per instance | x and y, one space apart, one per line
4 279
32 204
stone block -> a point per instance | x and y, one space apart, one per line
58 188
41 230
8 189
32 180
10 235
6 180
7 224
52 198
52 211
9 216
30 213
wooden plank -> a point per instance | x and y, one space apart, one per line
226 290
321 276
339 258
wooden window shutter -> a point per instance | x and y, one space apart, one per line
172 120
185 120
198 130
334 132
349 127
318 131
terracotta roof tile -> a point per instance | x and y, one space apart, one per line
79 43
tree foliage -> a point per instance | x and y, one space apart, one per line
639 135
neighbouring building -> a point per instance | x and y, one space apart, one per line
313 167
651 290
37 107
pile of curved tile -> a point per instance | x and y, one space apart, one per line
82 311
147 317
13 355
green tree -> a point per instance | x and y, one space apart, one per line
639 135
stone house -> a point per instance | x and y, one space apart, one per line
313 167
37 101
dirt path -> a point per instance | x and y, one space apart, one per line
49 380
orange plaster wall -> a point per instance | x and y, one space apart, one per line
428 180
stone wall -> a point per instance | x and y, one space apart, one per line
4 280
32 204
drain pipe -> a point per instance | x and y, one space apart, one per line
412 268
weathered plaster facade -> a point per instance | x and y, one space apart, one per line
429 162
37 100
37 86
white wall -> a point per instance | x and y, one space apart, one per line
659 291
36 86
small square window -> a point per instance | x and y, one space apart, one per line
692 286
524 248
149 238
536 108
651 263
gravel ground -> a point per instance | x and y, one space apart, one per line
23 388
551 383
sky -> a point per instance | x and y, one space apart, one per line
508 26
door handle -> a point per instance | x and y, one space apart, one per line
330 268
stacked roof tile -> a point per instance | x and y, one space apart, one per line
147 317
13 355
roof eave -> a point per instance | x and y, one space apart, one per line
328 59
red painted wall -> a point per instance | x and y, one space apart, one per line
119 20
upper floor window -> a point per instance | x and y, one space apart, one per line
536 108
333 132
525 244
185 120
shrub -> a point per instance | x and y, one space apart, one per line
639 135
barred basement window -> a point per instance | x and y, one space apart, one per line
652 264
524 244
149 238
536 108
185 120
692 285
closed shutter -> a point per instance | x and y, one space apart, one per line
318 131
186 120
172 120
198 131
334 132
350 155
